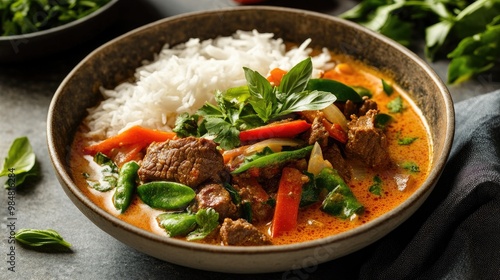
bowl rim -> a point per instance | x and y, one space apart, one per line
59 28
419 194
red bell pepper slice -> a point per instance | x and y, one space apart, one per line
335 131
287 201
275 130
275 76
134 136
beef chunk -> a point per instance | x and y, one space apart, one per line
190 161
350 108
242 233
333 154
367 105
317 133
252 192
366 142
217 197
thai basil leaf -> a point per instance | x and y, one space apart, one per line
296 79
19 163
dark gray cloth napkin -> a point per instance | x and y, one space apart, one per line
456 232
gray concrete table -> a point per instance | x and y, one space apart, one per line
26 90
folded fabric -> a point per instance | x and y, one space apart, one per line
456 232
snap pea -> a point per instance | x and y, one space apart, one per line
125 186
340 90
274 158
177 224
340 201
166 195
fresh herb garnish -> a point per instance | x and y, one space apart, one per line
376 188
39 238
469 27
411 166
395 105
207 220
405 140
19 164
254 105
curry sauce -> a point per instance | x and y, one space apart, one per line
411 162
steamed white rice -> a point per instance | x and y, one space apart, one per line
184 77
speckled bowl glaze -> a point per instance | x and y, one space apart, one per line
115 61
24 47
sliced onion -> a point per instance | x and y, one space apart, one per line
275 144
334 115
316 161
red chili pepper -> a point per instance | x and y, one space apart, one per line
275 130
135 135
287 201
335 131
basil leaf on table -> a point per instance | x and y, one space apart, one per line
20 163
40 238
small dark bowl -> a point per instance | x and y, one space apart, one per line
18 48
116 61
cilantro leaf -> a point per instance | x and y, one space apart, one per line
187 125
396 105
225 133
207 220
376 188
410 166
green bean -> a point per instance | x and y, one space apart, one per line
274 158
125 186
166 195
177 224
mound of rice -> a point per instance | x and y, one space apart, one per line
184 77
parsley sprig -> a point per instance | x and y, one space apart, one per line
253 105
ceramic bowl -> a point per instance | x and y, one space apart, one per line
115 61
19 48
